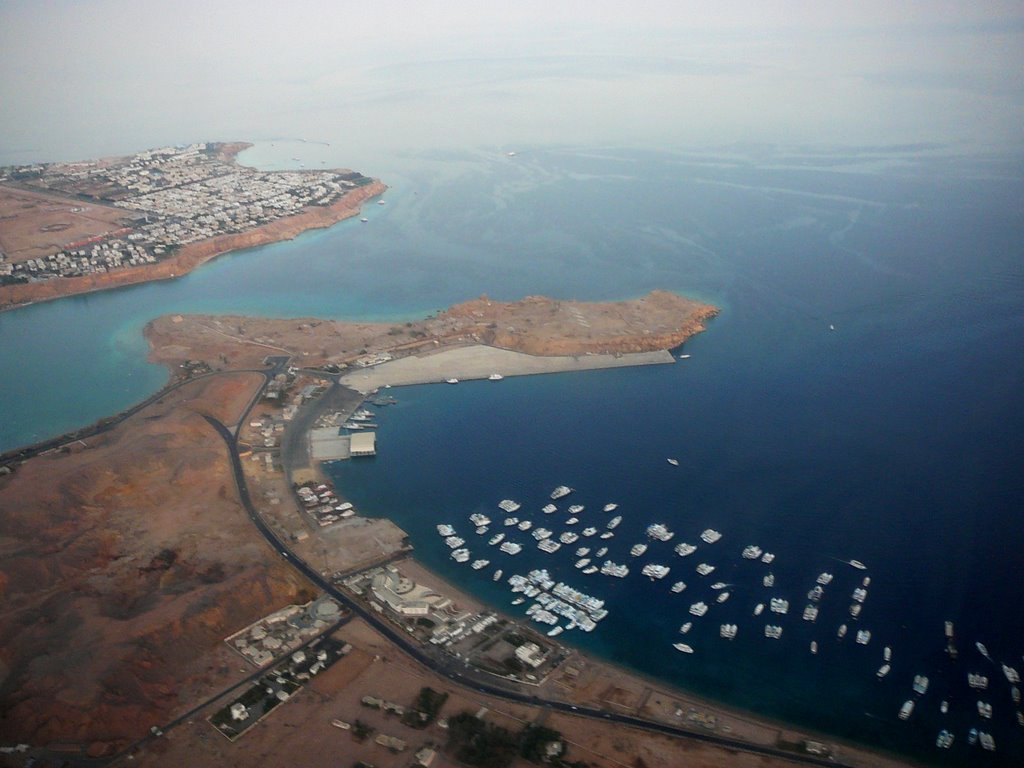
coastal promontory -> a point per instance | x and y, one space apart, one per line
78 227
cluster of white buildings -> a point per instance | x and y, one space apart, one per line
172 197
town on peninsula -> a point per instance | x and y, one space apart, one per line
183 584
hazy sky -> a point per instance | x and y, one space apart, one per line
86 78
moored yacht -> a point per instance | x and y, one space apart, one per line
710 536
679 586
683 549
560 491
637 550
683 647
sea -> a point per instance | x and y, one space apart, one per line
860 397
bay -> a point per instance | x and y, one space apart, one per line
894 439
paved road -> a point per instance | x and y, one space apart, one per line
459 674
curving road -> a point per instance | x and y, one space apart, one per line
457 673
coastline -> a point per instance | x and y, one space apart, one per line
753 726
749 725
194 255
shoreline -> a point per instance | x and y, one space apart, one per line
194 255
734 720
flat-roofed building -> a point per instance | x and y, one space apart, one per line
364 443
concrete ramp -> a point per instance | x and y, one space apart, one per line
479 362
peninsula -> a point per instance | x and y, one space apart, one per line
70 228
181 584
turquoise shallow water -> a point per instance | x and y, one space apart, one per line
895 439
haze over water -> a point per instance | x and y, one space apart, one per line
894 439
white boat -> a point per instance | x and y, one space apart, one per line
582 551
495 377
816 593
460 555
572 521
978 682
710 536
611 507
944 707
864 637
497 574
983 650
704 569
842 631
684 357
454 542
1012 675
907 709
778 605
855 609
556 631
985 709
541 533
768 579
814 646
673 462
451 381
825 579
481 530
767 557
496 539
606 535
478 564
860 594
699 608
679 586
987 742
887 653
445 530
608 568
560 491
511 548
659 531
478 519
590 569
773 631
654 571
549 509
857 564
683 549
568 537
811 612
575 509
759 609
509 505
589 531
583 562
614 522
637 550
510 521
602 552
719 585
751 552
722 597
883 671
683 647
524 525
686 627
549 545
519 601
728 631
920 684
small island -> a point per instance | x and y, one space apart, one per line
78 227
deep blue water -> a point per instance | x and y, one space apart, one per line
896 439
